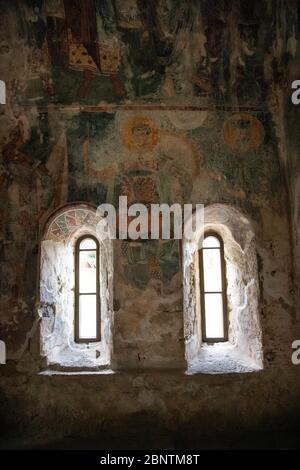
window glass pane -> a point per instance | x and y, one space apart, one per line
211 242
87 244
212 270
87 271
214 315
87 316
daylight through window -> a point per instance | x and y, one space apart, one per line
87 318
213 289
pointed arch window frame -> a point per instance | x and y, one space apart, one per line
77 337
223 291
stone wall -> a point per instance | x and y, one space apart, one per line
187 107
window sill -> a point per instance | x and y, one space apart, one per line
52 372
221 358
78 358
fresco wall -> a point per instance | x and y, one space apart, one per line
127 98
112 51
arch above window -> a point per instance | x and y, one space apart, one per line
71 221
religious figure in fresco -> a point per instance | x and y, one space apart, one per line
128 14
12 151
249 68
156 261
119 49
175 42
243 132
155 164
32 186
212 70
140 134
75 41
25 185
112 49
55 8
139 187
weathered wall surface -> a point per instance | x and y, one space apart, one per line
289 137
160 107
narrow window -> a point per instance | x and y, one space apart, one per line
2 92
213 289
87 298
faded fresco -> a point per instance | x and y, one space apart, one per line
162 101
150 157
111 51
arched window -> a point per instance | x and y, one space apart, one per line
76 291
221 300
87 290
213 289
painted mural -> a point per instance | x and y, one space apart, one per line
200 130
162 101
150 157
92 51
243 132
65 224
155 262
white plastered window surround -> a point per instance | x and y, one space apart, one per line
243 350
57 292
